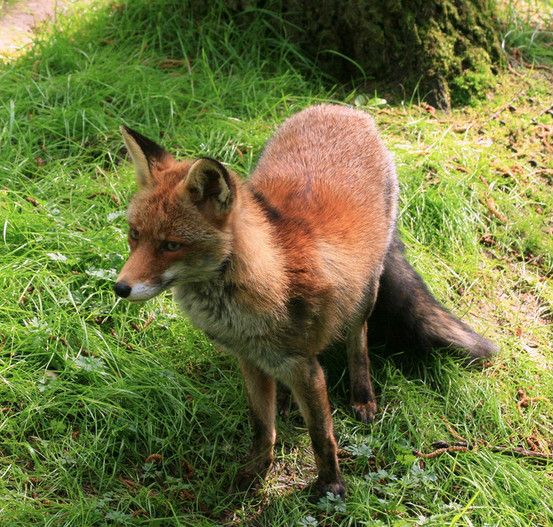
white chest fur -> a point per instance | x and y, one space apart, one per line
215 309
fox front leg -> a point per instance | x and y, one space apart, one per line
261 393
308 386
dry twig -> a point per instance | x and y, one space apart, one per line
441 447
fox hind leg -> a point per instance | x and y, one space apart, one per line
363 399
285 402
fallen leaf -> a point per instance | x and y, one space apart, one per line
154 458
492 207
428 107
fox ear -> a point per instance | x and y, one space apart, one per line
145 154
210 186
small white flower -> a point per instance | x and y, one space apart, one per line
89 363
35 324
57 257
116 214
105 274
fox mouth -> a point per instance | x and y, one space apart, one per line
176 275
140 291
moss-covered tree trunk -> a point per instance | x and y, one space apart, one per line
445 47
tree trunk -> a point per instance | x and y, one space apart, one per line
446 48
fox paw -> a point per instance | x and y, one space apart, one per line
320 489
246 480
251 476
364 412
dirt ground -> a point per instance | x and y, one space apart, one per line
18 22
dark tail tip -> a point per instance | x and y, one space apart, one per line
479 351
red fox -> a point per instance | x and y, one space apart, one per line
275 268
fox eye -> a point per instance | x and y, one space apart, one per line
171 246
133 234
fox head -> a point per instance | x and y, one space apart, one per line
179 220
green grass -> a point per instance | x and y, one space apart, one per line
91 387
529 34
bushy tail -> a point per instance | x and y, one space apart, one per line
407 317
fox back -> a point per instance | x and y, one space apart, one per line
329 187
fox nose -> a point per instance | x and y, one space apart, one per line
122 289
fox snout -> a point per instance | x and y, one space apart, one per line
136 284
146 274
139 291
122 289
